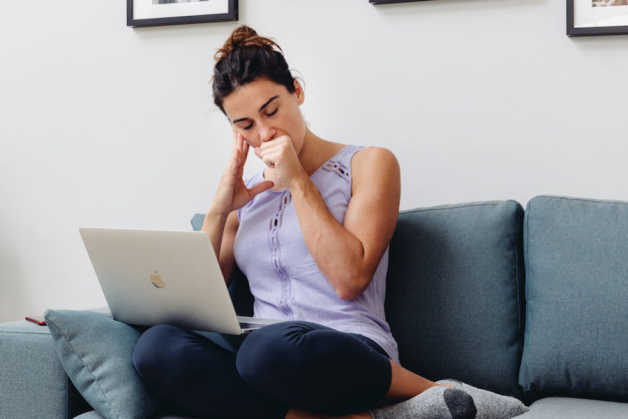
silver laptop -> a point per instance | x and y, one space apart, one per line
150 277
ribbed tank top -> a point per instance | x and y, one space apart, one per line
284 279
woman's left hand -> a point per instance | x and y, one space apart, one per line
284 166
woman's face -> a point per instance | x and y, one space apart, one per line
263 110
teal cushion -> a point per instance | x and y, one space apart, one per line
95 352
454 296
576 339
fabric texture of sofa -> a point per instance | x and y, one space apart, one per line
532 304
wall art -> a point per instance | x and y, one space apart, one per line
176 12
391 1
597 17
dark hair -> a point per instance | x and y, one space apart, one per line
244 57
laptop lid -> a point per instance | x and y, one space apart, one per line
150 277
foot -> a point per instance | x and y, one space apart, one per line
439 401
489 405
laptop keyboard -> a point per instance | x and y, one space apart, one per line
253 323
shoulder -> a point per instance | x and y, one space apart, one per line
368 155
371 163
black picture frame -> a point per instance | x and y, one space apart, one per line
232 14
376 2
392 1
593 30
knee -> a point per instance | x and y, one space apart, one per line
147 355
272 354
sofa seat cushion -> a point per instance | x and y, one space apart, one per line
576 256
454 293
565 407
547 408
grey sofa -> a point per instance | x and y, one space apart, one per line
532 304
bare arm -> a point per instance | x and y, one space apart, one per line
221 221
348 254
222 229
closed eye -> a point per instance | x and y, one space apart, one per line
267 114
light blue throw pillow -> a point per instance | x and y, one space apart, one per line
95 352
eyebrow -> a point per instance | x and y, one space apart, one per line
260 109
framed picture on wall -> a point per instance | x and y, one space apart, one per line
597 17
391 1
176 12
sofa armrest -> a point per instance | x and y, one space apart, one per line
33 383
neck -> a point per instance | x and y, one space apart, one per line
314 152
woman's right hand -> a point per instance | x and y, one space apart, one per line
232 193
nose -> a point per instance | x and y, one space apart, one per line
266 133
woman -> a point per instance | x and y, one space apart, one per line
311 233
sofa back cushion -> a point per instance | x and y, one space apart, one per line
576 338
454 297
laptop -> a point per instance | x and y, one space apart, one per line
150 277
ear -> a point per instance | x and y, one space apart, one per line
298 91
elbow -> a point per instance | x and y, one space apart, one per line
355 280
353 290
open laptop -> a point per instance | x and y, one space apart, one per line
150 277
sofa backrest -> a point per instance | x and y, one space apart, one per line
454 296
576 333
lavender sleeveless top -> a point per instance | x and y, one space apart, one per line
285 281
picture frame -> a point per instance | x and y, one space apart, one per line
376 2
597 17
140 13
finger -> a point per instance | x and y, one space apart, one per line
273 154
277 141
272 150
246 150
235 139
234 156
282 139
268 161
239 142
245 153
242 155
261 187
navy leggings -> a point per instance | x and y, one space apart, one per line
294 364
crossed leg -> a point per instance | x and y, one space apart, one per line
288 370
404 385
336 374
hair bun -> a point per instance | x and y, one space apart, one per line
244 36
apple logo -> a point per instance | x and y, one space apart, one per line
155 279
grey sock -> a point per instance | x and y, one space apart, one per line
436 402
490 405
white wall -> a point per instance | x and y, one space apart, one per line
108 126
